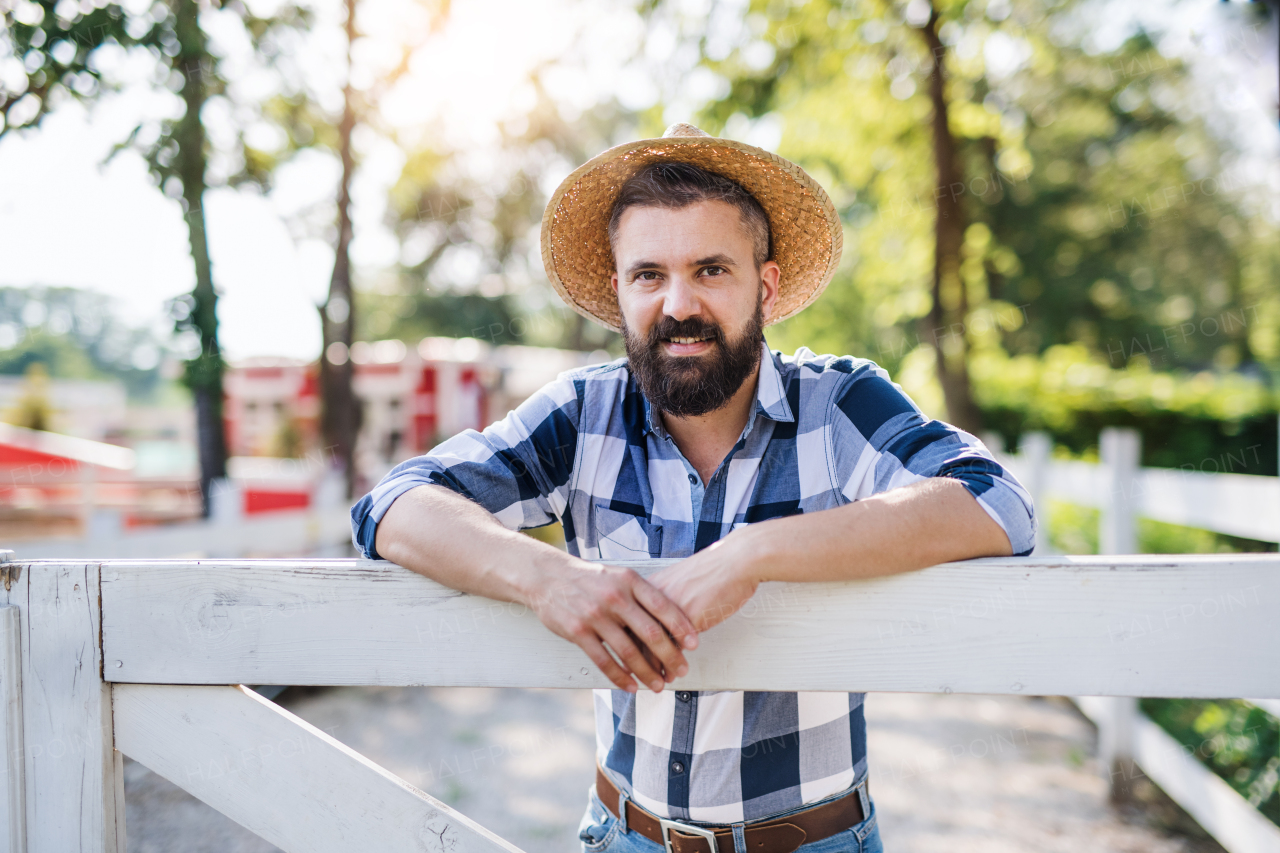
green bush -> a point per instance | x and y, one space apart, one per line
1237 741
1073 529
1211 422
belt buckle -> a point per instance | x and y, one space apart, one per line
668 825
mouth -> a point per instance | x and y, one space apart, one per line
687 345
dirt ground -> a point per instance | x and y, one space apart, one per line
962 774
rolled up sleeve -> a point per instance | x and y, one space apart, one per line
880 441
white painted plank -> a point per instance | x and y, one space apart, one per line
1128 626
1121 449
13 817
281 777
1236 504
1083 483
1224 814
71 772
1271 706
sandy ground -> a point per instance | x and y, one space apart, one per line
948 773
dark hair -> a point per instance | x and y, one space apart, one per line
677 185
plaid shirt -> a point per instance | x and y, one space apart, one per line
588 451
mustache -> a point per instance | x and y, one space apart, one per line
692 327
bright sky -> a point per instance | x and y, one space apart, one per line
65 220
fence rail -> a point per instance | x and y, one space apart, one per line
135 656
287 532
1235 504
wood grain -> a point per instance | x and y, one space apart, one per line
74 790
281 777
13 822
1193 626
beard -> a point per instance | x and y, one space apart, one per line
689 386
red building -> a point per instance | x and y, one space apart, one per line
410 398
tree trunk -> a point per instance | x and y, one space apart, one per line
340 411
946 319
203 374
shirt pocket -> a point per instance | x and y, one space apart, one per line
624 536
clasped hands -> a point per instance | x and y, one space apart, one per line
647 623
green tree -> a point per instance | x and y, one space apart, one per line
61 46
340 412
33 409
444 212
1083 198
76 334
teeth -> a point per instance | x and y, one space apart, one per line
687 340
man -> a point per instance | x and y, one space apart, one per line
701 444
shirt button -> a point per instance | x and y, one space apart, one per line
677 768
684 696
693 479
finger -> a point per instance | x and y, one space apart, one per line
630 655
605 663
654 637
665 611
650 656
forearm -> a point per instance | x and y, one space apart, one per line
440 534
923 524
443 535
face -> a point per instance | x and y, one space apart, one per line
693 303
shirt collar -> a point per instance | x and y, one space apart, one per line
771 396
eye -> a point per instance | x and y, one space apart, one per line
647 275
714 270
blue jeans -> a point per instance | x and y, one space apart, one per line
601 832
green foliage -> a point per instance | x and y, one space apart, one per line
414 316
1088 180
451 216
33 409
59 354
1207 421
76 334
1073 529
1237 741
55 42
1157 537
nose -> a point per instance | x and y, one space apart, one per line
680 302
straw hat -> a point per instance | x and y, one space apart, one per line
807 237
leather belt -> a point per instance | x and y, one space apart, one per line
775 836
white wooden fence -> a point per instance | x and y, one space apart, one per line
1236 504
103 658
321 530
1132 745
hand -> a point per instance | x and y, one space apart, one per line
711 585
592 605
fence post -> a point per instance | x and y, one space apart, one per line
1118 531
13 817
73 777
226 499
1121 450
1035 450
1116 727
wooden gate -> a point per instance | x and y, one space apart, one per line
100 659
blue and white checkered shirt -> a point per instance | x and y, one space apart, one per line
588 451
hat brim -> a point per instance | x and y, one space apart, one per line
806 231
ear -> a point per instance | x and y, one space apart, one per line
613 282
770 277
